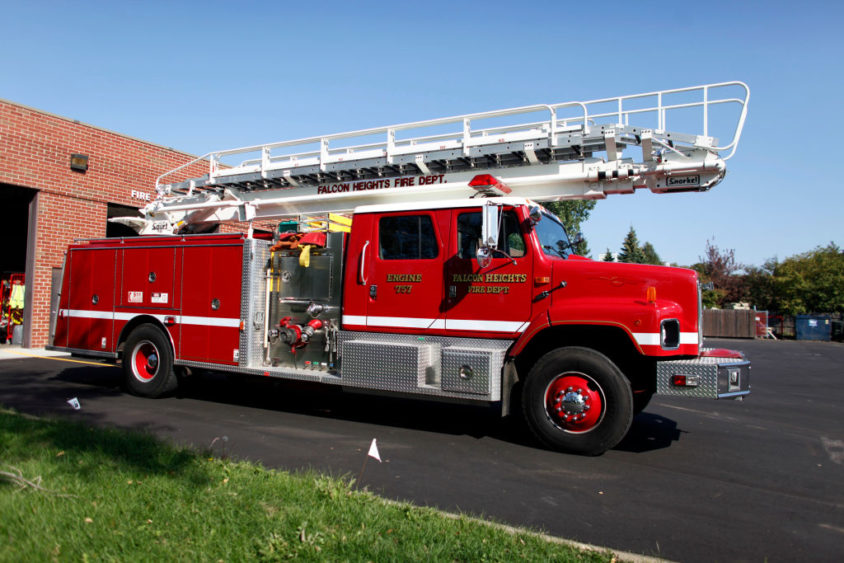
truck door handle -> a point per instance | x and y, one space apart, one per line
548 292
373 291
362 272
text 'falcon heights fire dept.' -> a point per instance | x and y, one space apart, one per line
417 260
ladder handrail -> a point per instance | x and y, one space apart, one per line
398 127
215 156
704 104
465 138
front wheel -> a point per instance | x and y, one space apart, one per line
576 400
148 363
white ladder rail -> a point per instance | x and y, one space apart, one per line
464 140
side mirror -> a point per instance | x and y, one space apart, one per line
489 229
534 214
490 215
576 240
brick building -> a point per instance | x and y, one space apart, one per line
46 203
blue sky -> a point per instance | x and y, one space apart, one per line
214 75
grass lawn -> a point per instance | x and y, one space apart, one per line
69 492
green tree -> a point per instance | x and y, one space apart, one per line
608 257
759 285
631 252
649 255
573 213
812 282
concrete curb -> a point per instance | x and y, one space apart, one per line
8 352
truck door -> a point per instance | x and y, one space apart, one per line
493 302
90 310
405 266
146 276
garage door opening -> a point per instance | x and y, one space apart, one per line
15 203
14 228
114 230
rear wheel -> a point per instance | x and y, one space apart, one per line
577 400
148 363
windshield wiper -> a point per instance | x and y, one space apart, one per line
554 250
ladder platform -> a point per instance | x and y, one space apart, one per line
569 132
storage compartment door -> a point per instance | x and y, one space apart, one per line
90 302
211 298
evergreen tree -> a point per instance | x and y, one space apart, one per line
608 256
649 255
631 252
582 249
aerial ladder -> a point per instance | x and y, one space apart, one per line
548 152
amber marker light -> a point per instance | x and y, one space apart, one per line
651 294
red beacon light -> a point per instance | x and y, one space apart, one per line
489 185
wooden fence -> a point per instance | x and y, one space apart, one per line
729 323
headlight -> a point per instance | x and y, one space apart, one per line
669 334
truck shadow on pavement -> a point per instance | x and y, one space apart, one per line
648 431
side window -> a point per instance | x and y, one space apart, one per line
409 237
510 238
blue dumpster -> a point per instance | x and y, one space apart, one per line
813 327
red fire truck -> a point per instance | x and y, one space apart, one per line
422 265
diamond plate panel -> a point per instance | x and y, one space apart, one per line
714 375
469 370
390 366
496 349
253 302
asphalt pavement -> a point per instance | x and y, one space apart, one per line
694 480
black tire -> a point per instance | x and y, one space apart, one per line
576 400
148 363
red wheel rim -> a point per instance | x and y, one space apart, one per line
145 360
574 402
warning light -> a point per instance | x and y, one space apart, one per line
488 184
651 294
685 380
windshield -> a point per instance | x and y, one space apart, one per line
552 236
